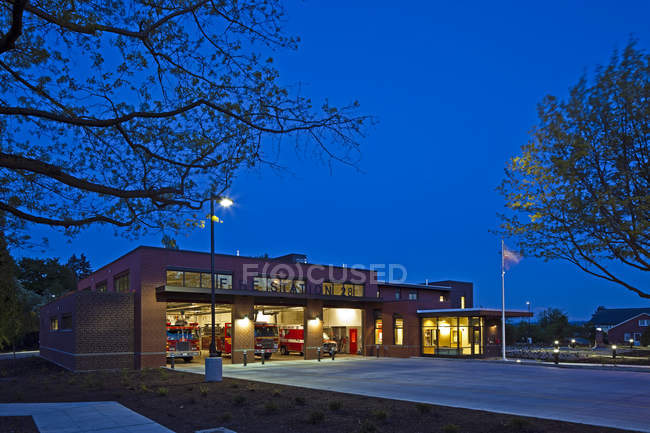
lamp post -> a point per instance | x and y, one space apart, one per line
528 305
213 364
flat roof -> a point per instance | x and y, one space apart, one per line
414 286
474 312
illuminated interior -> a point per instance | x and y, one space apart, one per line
452 336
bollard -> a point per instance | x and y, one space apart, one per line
556 355
614 352
377 351
263 357
332 352
318 352
631 342
172 362
245 358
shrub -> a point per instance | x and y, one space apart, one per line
300 401
335 405
204 389
450 428
163 373
270 406
162 391
277 393
234 385
316 417
379 414
367 427
423 408
239 399
143 388
226 416
517 424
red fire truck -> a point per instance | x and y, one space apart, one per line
292 339
183 340
266 339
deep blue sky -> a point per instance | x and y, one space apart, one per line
455 90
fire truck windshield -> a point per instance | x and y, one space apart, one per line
266 331
182 334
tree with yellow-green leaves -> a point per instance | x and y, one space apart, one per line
580 189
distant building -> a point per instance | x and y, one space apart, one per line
622 324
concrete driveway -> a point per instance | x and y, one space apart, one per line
605 398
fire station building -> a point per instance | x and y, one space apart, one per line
119 317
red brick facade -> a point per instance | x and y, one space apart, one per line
631 328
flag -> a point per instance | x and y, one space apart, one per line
510 258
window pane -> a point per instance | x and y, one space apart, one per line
399 331
259 283
175 278
224 281
122 283
378 332
192 279
54 324
66 321
205 280
101 287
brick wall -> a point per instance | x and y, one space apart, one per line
101 335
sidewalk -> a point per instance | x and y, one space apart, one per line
83 417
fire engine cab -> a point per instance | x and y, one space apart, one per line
292 339
183 340
266 339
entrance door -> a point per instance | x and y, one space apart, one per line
353 341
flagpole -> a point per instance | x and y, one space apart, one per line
503 304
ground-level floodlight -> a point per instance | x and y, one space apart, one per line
614 351
556 355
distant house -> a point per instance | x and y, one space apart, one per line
622 324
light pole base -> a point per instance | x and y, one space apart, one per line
213 369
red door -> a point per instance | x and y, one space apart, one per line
353 341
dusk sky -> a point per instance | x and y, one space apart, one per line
454 90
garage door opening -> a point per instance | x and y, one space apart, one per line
344 327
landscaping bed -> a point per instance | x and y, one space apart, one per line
17 424
184 403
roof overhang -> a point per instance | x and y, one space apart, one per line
483 312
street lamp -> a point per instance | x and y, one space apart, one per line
225 202
528 305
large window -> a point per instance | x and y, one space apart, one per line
644 322
378 332
398 326
342 289
122 283
198 279
452 336
54 323
278 285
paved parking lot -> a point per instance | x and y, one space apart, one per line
605 398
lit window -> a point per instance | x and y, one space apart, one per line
398 326
442 298
462 302
378 332
122 283
192 279
413 296
175 278
644 322
54 324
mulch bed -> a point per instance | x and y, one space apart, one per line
184 403
17 424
